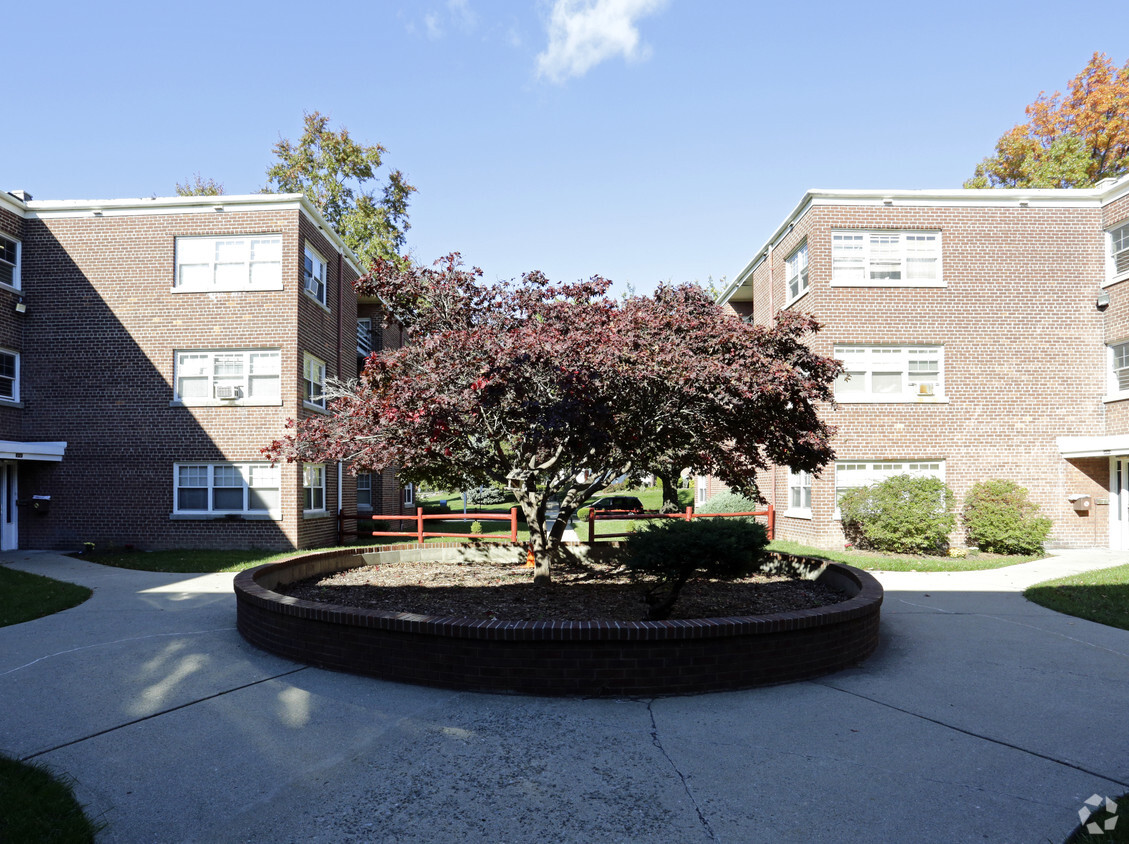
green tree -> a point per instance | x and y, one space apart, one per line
338 175
1069 141
199 186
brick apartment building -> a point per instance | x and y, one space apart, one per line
985 334
150 348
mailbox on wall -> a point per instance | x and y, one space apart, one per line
1082 503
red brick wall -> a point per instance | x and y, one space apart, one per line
105 326
1024 357
11 328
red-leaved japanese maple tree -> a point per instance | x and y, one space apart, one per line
534 384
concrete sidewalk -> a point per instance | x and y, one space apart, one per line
982 717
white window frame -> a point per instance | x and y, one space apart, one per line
314 273
409 495
218 476
871 250
313 488
251 361
1117 371
313 376
796 273
912 364
262 274
799 495
364 484
863 473
1117 252
701 493
17 249
15 379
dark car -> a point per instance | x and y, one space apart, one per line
618 502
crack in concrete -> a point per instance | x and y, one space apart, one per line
159 714
657 742
976 735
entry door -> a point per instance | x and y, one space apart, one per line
1119 503
8 516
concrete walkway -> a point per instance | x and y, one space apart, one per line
982 717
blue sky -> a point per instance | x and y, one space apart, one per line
640 140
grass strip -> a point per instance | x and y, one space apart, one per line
875 561
24 596
1101 596
36 806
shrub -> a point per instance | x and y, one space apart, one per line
486 495
476 527
731 502
673 551
999 518
903 514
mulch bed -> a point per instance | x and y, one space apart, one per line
590 592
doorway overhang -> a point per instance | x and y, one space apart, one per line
13 450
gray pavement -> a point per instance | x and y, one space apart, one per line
981 717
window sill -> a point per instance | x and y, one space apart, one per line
225 517
316 300
893 400
225 403
315 514
11 403
1117 279
797 514
1115 397
911 284
11 288
315 407
244 288
790 302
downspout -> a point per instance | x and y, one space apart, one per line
340 297
772 315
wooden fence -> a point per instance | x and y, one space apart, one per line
769 515
419 519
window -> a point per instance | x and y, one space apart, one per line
10 262
241 376
1118 371
364 337
409 495
226 488
886 259
797 265
313 488
364 490
9 376
313 380
851 474
1119 252
799 494
703 489
314 274
890 373
245 262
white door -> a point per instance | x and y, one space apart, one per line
1119 503
9 519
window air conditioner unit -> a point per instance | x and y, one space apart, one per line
312 285
925 389
224 392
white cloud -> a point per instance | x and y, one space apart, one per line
583 33
434 30
462 14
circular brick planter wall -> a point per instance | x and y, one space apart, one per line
555 658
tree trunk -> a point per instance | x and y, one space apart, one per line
670 490
533 506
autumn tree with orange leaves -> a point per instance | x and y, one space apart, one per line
1069 141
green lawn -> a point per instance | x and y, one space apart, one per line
38 807
1118 835
1101 596
903 562
24 597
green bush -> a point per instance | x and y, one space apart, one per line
476 527
999 518
672 551
731 502
486 495
902 515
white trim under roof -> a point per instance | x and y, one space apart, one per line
1100 446
12 450
1095 197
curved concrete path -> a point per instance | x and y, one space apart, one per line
982 717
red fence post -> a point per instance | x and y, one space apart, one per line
513 524
419 525
591 526
689 513
771 522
